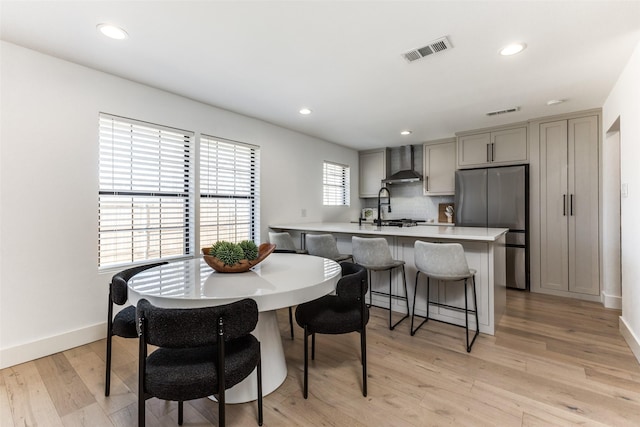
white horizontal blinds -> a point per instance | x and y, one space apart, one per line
229 191
336 184
145 210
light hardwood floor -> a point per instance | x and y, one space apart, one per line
553 361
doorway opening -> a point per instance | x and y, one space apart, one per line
612 192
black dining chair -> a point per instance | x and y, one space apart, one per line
124 322
341 313
201 352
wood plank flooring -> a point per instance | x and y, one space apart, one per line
553 362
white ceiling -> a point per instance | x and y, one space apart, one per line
343 59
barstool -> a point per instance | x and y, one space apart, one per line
446 262
374 255
284 242
324 245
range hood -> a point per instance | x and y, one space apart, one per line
406 172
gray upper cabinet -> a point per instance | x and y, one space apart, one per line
493 148
439 168
374 165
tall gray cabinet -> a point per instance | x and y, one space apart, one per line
568 205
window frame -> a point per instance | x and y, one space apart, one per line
120 189
336 184
236 194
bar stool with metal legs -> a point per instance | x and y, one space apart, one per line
374 255
448 263
325 245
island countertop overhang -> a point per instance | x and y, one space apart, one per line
480 234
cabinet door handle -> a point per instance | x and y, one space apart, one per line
493 152
564 205
488 153
571 208
426 183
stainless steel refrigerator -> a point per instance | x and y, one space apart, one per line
498 197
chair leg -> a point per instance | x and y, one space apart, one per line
363 351
475 307
222 408
180 412
413 312
141 408
404 280
306 362
428 295
107 374
391 326
291 321
466 315
259 375
406 292
142 355
370 290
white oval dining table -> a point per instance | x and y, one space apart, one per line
281 280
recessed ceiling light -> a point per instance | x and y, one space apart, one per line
405 132
555 101
305 111
512 49
112 31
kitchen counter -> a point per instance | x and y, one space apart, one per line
484 248
420 231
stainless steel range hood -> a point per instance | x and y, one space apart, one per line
406 172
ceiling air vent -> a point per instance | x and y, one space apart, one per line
435 46
505 111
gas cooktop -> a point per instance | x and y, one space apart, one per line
402 222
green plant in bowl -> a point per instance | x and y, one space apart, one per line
250 249
227 252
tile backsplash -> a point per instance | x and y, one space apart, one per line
408 201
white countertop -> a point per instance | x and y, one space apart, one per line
421 231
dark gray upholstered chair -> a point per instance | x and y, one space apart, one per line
445 262
341 313
324 245
374 254
124 323
191 360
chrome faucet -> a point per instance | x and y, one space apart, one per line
379 220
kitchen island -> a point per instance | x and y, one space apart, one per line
484 249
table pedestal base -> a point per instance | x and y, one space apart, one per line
274 365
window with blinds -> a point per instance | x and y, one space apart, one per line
336 184
145 196
229 191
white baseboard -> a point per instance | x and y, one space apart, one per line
34 350
632 340
611 301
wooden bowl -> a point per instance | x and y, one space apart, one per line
243 265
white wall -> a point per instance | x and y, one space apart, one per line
51 294
624 103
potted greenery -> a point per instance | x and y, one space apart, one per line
228 257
